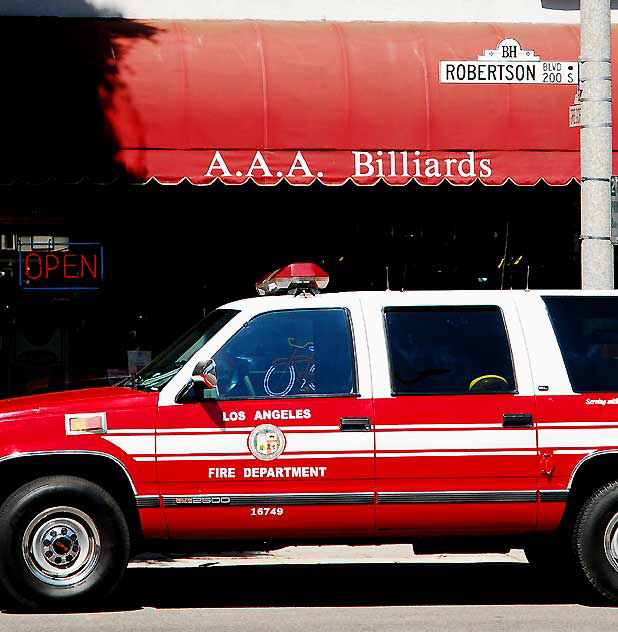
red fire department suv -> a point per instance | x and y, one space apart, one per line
474 420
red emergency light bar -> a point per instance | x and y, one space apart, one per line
292 279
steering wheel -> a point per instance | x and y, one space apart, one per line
492 383
232 373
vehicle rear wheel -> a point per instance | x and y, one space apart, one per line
595 540
63 541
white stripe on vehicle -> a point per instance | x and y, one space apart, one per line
456 439
134 445
461 426
129 431
581 438
467 453
299 442
250 457
231 429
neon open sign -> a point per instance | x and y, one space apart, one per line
76 266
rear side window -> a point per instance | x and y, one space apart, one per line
587 331
291 353
448 350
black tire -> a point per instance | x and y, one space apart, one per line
596 528
64 541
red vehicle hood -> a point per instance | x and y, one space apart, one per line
87 400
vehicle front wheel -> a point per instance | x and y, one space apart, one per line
595 540
63 541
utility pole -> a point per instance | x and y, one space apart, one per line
597 251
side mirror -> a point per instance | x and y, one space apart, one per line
205 374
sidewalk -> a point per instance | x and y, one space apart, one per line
335 554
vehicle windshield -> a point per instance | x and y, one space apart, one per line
155 375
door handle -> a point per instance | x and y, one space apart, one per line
519 420
355 424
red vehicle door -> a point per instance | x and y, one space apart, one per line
455 436
285 445
576 338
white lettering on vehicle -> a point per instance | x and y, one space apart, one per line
221 472
597 402
266 511
234 415
204 500
303 471
268 415
602 402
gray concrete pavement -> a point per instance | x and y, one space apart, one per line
334 588
394 619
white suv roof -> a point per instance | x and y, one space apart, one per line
418 297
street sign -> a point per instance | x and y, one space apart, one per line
509 63
614 198
575 112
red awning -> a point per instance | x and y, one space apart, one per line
234 100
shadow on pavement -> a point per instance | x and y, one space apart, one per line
340 585
374 584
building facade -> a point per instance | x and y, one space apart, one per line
158 161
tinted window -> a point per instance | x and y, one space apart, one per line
162 369
587 332
291 353
448 350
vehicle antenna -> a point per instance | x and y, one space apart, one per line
388 286
405 269
528 279
506 246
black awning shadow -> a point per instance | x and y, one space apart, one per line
59 75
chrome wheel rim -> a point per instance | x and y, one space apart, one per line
61 546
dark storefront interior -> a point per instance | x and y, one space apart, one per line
173 253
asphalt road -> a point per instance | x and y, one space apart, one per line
354 596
